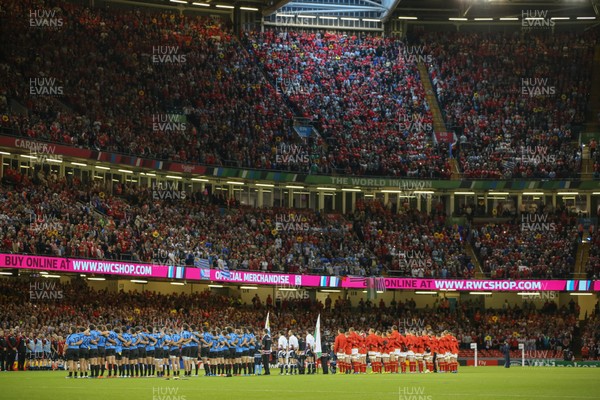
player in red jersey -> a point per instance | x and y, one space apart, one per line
354 340
339 347
348 351
402 352
442 365
393 347
362 352
385 351
453 350
430 349
419 350
410 353
372 342
397 342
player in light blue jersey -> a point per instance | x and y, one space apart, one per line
84 351
71 351
134 367
195 359
206 350
174 352
239 352
166 341
222 348
118 343
126 340
231 342
93 352
248 356
141 351
111 350
213 351
150 350
186 349
101 351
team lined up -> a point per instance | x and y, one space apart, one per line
389 351
141 352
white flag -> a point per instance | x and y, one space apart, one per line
318 350
267 325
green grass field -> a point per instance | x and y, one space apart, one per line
470 383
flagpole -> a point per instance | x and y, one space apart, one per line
318 349
267 324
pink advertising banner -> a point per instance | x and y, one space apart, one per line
132 269
263 278
59 264
352 282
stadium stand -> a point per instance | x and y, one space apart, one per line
507 251
590 338
368 103
515 104
592 267
223 95
364 96
62 216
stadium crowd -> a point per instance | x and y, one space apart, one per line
515 104
47 215
590 338
595 157
516 250
119 88
592 267
367 102
362 92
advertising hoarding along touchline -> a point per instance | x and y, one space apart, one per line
142 270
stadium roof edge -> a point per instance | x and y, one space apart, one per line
270 10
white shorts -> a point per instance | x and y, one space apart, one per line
453 355
341 356
354 351
419 356
397 352
402 354
372 353
385 355
377 354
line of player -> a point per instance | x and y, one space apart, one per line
143 352
392 352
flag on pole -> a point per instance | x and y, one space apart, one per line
374 286
318 350
371 289
267 325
